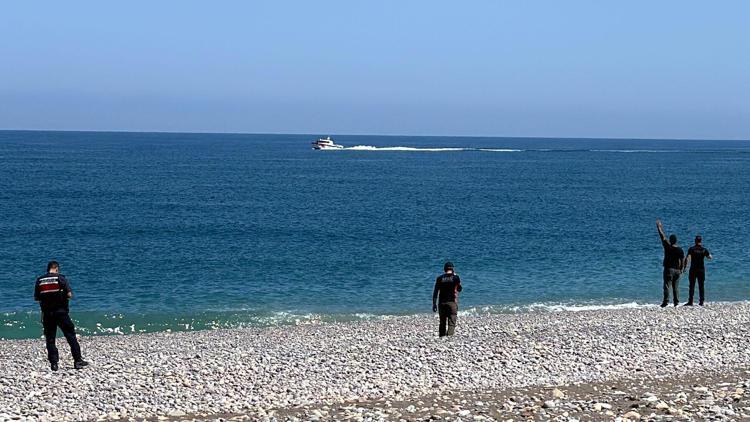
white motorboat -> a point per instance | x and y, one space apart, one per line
326 143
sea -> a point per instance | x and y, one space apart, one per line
187 231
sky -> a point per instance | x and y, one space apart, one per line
636 69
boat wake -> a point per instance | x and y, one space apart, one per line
498 150
472 149
416 149
631 151
371 148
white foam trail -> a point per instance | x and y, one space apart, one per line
416 149
635 150
372 148
577 308
499 150
551 307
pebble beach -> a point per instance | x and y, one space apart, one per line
608 364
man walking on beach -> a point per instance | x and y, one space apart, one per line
673 263
695 255
52 291
445 299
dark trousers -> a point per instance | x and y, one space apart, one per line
700 276
448 315
671 281
52 320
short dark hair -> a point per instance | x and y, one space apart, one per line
448 266
672 239
698 239
52 265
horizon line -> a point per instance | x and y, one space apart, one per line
375 135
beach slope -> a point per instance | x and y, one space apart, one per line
496 366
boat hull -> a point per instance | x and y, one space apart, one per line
318 147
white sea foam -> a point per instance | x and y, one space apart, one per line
426 149
551 307
459 149
108 330
19 322
414 149
627 151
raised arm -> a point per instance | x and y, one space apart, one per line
660 229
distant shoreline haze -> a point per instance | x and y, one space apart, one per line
668 69
385 135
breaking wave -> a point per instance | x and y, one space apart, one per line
19 325
552 307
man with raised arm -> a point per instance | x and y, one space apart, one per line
695 256
445 299
673 263
53 292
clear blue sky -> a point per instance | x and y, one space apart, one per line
663 69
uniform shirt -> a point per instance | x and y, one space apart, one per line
51 290
447 287
673 255
697 254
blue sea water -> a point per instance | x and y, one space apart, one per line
162 231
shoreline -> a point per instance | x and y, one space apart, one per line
109 324
252 371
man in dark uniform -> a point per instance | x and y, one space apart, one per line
445 299
673 260
695 255
52 291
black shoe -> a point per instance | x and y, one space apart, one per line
676 304
701 303
688 304
80 364
53 366
664 305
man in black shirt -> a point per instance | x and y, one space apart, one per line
445 299
695 255
673 262
52 291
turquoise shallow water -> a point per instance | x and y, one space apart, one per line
192 231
